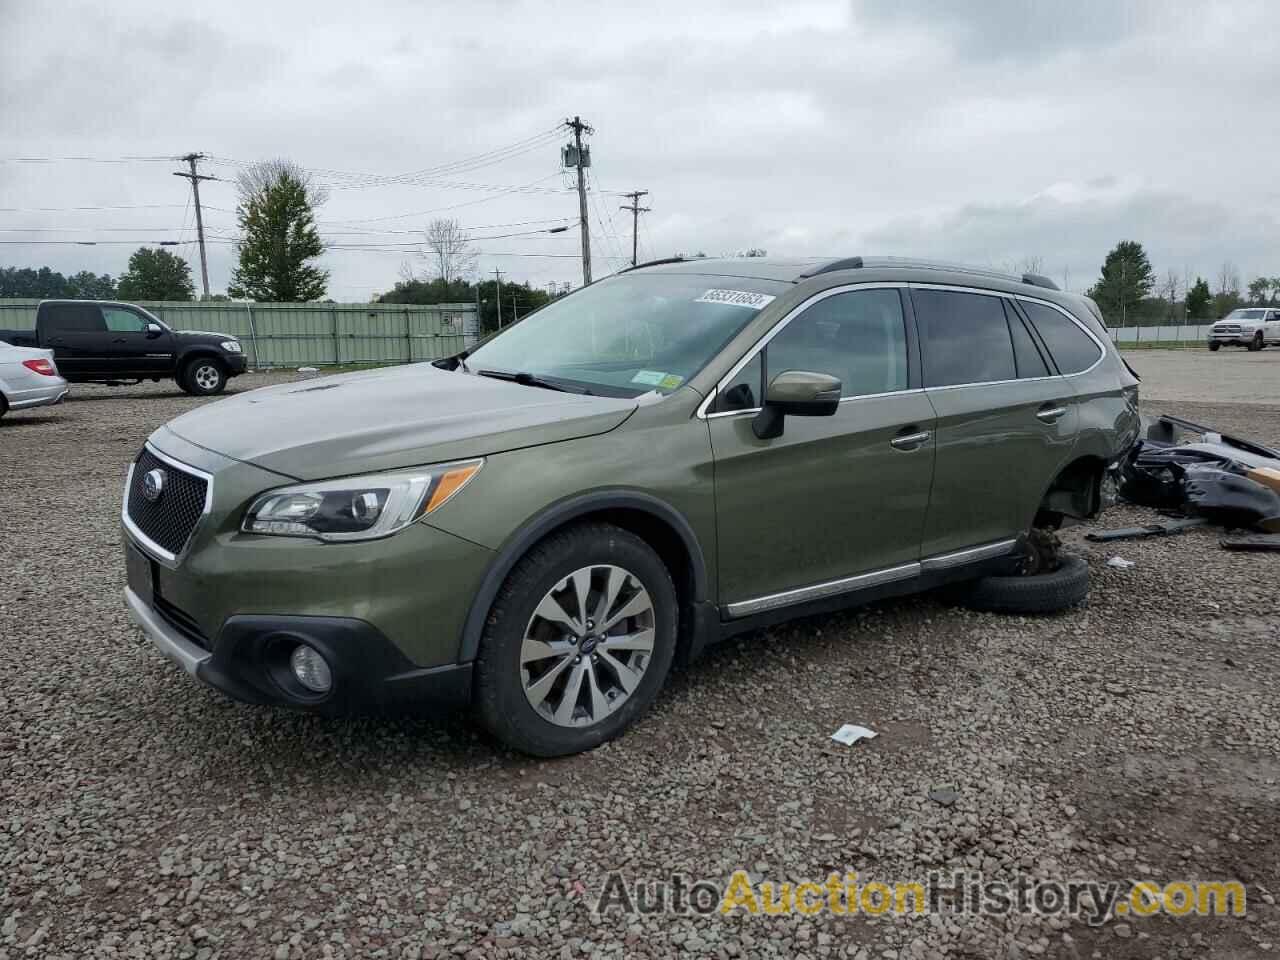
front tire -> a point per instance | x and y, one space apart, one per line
203 377
578 642
1256 343
1214 346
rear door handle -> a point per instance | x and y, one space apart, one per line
1050 413
912 441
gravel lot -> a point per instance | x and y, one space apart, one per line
144 816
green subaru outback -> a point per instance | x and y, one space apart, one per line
541 526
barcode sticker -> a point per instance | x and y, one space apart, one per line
737 298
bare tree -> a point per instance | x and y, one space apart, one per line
1228 278
451 252
1031 264
1169 290
257 178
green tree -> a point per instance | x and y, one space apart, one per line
518 299
86 285
156 275
1199 300
279 237
1127 279
1258 289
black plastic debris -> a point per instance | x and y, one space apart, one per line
1229 499
1205 478
1252 541
1164 529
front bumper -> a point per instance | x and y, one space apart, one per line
1232 339
237 363
248 661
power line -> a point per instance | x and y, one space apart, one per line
88 159
127 206
358 180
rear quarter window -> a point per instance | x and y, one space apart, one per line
1072 349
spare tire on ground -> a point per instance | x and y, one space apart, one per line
1048 592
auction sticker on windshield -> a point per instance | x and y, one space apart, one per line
737 298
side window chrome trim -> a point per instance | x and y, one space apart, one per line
705 406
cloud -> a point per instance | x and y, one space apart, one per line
970 131
1072 226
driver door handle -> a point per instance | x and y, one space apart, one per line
1050 413
911 441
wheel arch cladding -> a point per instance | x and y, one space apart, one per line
651 519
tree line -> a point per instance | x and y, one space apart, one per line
152 274
1130 293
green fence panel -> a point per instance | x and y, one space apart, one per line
310 334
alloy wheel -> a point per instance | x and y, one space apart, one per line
207 376
587 645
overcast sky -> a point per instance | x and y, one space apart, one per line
902 127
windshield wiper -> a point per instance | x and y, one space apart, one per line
532 380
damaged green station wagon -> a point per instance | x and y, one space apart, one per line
684 451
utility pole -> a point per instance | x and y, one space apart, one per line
515 314
579 128
195 179
636 210
497 276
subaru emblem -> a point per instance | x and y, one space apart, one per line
153 485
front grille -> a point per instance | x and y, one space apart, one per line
181 621
169 521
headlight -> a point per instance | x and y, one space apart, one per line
231 346
358 508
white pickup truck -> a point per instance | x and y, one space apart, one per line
1252 327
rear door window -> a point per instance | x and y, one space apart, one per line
1072 349
73 318
964 338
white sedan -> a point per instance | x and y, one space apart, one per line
28 378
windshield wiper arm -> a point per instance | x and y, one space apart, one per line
532 380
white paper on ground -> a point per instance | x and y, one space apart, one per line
851 733
1120 563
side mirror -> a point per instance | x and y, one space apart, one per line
800 393
154 330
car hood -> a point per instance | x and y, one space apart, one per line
389 419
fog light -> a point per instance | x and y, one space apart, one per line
311 669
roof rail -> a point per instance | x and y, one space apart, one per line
652 263
855 263
846 263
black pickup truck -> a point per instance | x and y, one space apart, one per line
100 341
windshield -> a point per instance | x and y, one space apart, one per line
1245 315
629 334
